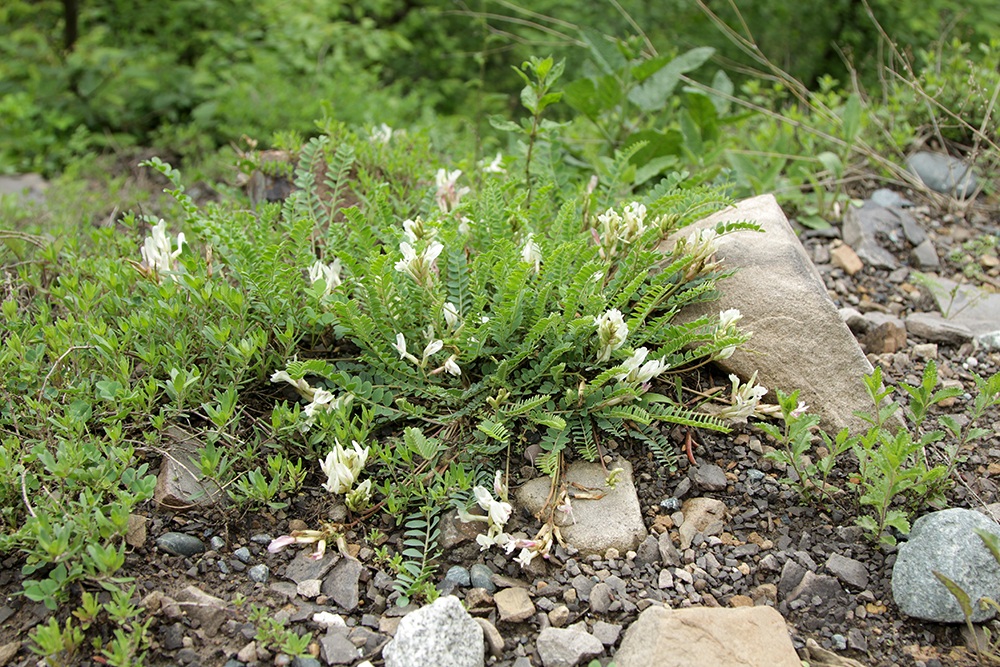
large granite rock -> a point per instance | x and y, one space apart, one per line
442 633
799 341
700 636
945 542
613 521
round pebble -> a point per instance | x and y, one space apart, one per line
217 543
481 576
259 573
458 575
243 555
180 544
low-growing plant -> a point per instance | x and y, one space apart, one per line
898 473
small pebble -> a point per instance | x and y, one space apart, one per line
243 554
259 573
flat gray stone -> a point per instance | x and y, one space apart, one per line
890 198
337 649
441 633
943 173
709 477
785 304
932 327
613 521
850 571
341 585
514 605
567 647
969 306
944 542
607 633
302 568
600 598
719 637
180 485
209 610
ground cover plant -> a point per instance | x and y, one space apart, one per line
400 328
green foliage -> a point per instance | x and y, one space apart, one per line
986 646
271 633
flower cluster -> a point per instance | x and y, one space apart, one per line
328 274
744 399
621 229
317 537
448 195
380 134
611 333
419 267
342 468
638 372
494 167
727 327
320 399
701 246
158 254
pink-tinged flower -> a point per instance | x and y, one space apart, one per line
279 543
448 194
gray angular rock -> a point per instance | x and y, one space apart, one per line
925 255
709 477
180 544
701 515
209 610
607 633
441 633
944 542
302 567
259 573
341 585
613 521
180 485
719 637
850 571
600 598
514 605
567 647
481 576
869 228
337 649
890 199
785 304
648 552
934 328
943 173
969 306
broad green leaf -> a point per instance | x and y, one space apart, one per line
504 125
592 97
604 52
852 117
653 93
964 601
654 168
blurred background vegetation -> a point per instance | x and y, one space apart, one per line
86 76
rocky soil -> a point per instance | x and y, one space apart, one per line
200 572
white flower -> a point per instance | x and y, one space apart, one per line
450 314
744 399
451 367
416 230
342 467
448 196
157 252
525 557
634 222
729 318
727 327
611 333
497 510
419 267
701 246
496 166
499 486
301 386
531 253
401 348
464 226
380 134
638 372
328 273
433 348
360 497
